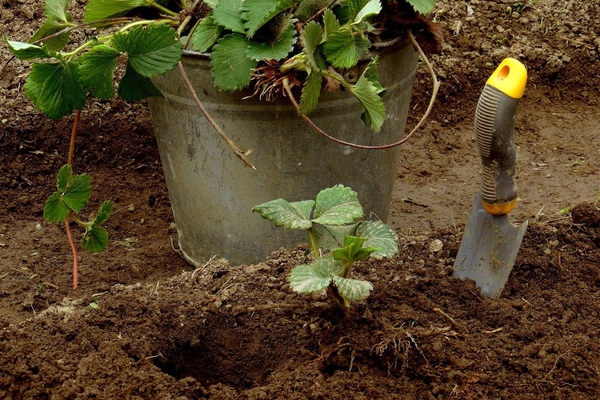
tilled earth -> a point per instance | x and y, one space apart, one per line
163 330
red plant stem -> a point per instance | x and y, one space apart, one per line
67 227
436 87
75 265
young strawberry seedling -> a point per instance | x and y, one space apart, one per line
70 198
336 237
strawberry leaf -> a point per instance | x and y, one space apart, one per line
26 51
64 177
72 194
352 289
343 48
95 239
57 20
55 210
310 93
103 9
311 37
230 64
54 88
330 22
423 6
354 7
379 235
373 7
337 206
276 51
78 192
316 276
289 215
135 87
51 27
229 15
367 93
103 213
307 9
152 50
257 13
206 35
97 71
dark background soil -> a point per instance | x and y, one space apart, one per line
163 330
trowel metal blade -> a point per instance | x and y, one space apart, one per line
488 249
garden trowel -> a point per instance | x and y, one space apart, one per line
490 242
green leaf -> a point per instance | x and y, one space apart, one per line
308 8
103 9
57 10
367 93
310 93
95 239
351 245
50 27
373 7
337 206
64 177
280 49
206 34
103 213
331 23
343 48
55 210
228 13
353 250
54 88
57 20
311 37
135 87
97 71
372 74
331 237
78 192
379 235
153 49
352 289
354 7
257 13
423 6
289 215
316 276
230 64
26 51
73 193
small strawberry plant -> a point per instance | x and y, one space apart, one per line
337 238
71 196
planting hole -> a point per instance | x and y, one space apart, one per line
232 351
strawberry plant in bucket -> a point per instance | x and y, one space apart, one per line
268 49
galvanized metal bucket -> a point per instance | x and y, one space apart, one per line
212 192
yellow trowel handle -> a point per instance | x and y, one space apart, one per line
494 130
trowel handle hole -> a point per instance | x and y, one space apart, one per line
504 72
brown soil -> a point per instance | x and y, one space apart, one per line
163 330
